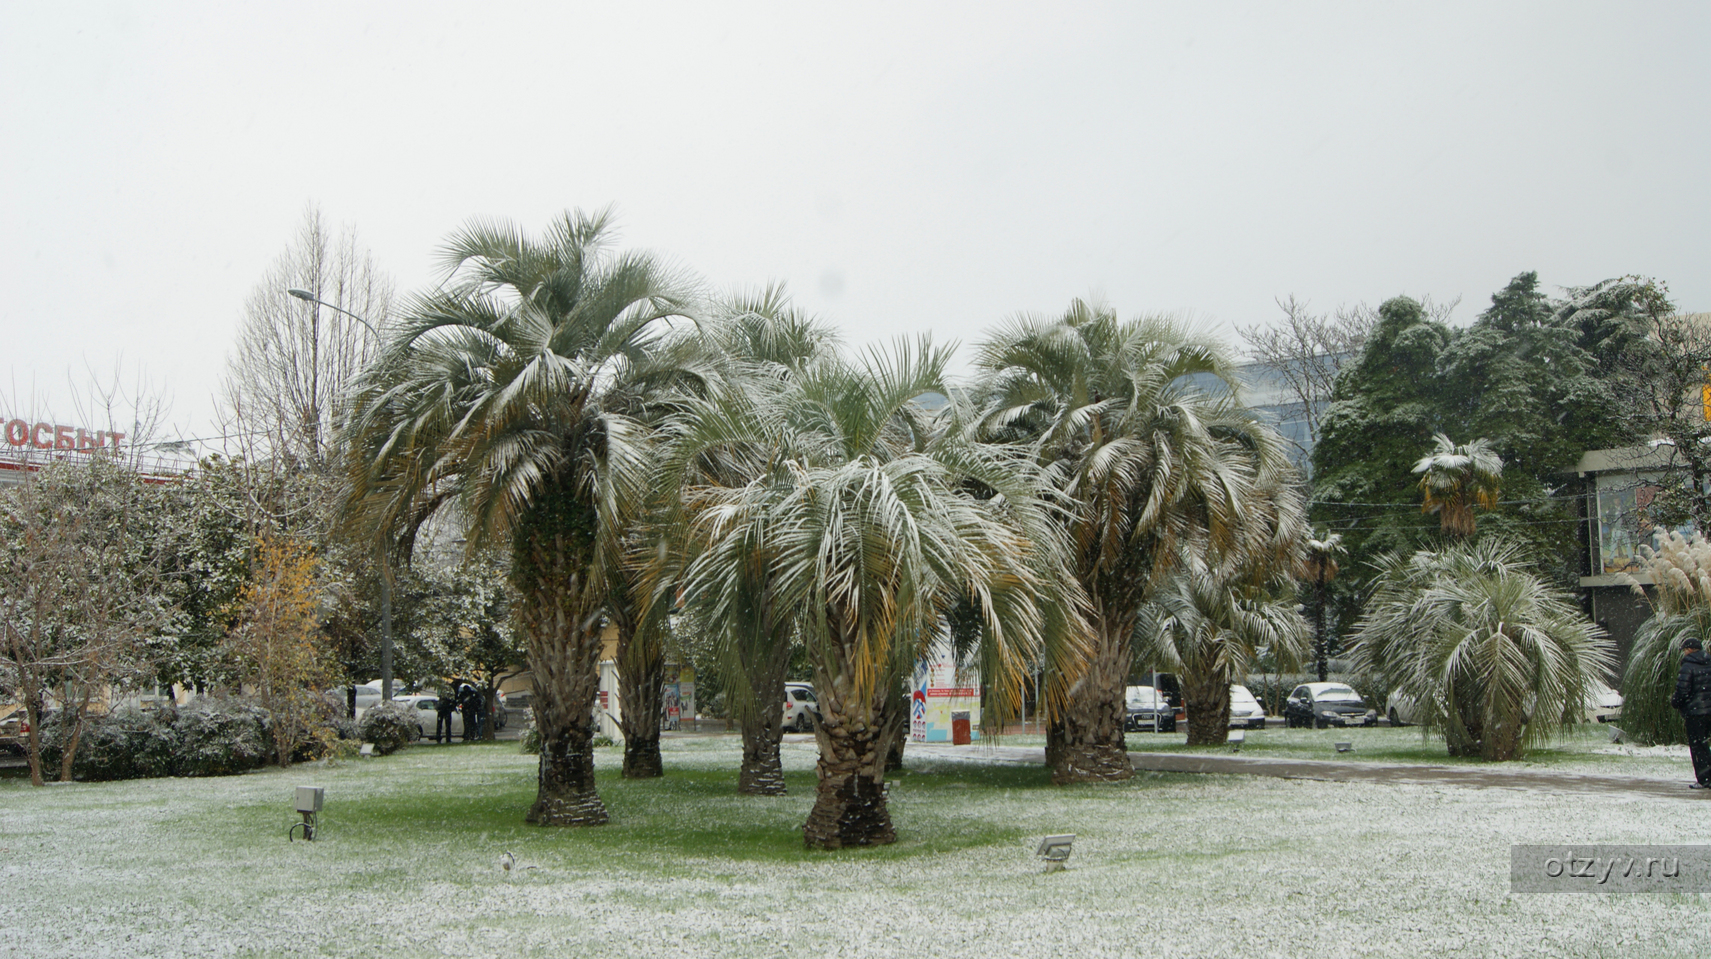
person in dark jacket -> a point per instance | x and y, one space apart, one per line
466 700
443 708
1693 700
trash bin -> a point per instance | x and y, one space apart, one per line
959 728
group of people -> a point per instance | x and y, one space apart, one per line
467 699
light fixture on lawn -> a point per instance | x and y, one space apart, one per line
1055 850
309 805
1237 737
1345 747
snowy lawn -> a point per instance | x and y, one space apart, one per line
1164 866
1585 748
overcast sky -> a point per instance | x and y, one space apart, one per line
902 167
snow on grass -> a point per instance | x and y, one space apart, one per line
1164 865
1584 749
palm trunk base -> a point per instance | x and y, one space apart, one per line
763 770
1092 763
566 795
894 754
848 811
642 760
584 809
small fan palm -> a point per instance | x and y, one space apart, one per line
1494 656
1207 625
1318 568
1454 479
500 394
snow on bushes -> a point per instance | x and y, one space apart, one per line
389 726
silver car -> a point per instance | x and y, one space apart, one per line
801 708
1245 710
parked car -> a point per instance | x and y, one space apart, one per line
1327 704
1148 709
367 695
1401 709
424 707
1602 705
1245 710
801 708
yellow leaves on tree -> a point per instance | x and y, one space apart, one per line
277 640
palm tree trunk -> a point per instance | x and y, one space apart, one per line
897 717
564 662
763 723
855 734
1206 699
849 802
1086 743
639 698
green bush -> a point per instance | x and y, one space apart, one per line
126 744
389 726
220 737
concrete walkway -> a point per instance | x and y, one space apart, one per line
1333 771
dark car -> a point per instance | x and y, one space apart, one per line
1145 704
1327 704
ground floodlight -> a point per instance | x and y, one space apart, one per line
309 805
1616 734
1345 747
367 751
1237 738
1055 850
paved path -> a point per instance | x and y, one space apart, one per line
1332 771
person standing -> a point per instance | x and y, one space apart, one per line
1693 700
443 708
466 701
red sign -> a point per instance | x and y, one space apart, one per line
57 436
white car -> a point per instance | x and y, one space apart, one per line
801 708
1603 705
1245 710
425 706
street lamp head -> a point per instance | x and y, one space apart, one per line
301 294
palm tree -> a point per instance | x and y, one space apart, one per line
495 395
849 521
1494 656
1319 567
764 340
1154 470
1454 479
1680 568
1207 624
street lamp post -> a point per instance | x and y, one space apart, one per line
380 543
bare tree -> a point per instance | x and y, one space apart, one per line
1307 350
310 325
296 358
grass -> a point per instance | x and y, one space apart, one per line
1175 865
1583 748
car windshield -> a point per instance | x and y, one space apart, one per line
1139 696
1337 694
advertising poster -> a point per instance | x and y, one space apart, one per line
1622 524
937 690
